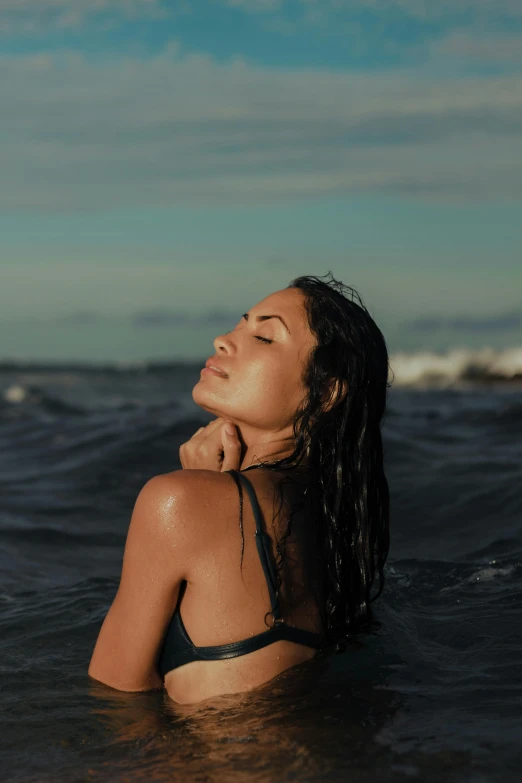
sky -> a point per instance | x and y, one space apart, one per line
166 165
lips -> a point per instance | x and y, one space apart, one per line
216 366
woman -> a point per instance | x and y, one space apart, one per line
302 378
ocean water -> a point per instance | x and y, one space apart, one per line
434 693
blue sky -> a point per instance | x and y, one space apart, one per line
166 165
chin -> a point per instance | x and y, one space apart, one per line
199 397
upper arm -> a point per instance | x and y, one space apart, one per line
159 544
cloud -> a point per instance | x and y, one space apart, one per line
424 10
87 134
35 16
500 322
159 318
474 31
256 5
219 318
79 318
479 48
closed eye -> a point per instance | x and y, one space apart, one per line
256 336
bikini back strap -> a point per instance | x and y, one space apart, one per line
263 542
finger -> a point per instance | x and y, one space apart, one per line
231 448
208 428
215 423
199 432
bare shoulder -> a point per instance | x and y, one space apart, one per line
192 504
193 486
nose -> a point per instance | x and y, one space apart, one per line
222 342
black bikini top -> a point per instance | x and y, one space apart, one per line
178 648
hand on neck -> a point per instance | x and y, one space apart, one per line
266 452
257 456
258 448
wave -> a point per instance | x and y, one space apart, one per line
458 366
420 369
32 396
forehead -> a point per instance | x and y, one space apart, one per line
289 303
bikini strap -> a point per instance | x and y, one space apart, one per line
263 541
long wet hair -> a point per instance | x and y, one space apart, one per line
338 428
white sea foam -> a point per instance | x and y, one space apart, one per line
15 393
427 368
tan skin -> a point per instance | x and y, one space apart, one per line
184 525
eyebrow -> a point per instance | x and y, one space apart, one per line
266 317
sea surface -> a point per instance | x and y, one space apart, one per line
433 694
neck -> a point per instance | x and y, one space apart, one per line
256 456
259 447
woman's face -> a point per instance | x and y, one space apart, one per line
263 388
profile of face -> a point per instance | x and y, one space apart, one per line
264 358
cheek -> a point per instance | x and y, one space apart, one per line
265 392
262 392
274 382
259 378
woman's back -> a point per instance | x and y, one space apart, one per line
221 604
